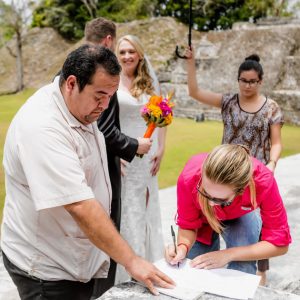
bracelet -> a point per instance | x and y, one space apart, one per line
274 161
185 245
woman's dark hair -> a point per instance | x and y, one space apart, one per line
252 63
84 62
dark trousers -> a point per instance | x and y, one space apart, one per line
32 288
263 264
104 284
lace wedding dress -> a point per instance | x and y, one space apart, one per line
140 219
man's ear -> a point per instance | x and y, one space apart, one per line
71 83
108 41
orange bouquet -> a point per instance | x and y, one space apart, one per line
157 113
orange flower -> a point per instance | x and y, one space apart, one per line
155 100
157 113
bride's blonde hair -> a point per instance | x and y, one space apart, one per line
229 165
143 83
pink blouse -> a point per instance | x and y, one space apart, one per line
275 228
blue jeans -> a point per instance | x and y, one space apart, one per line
238 232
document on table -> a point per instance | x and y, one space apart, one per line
192 282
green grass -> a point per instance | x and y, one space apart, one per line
185 138
8 107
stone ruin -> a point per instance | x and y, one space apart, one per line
219 54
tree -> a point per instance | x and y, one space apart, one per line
91 6
126 10
66 16
14 20
221 14
180 9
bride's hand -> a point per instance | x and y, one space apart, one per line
156 160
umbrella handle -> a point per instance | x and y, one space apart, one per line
190 33
177 53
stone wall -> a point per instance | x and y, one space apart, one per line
218 56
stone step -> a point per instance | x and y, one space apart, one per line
290 78
289 102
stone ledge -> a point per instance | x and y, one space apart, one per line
132 291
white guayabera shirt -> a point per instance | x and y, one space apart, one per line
50 160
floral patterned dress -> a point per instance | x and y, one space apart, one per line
250 129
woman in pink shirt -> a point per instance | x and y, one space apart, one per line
219 193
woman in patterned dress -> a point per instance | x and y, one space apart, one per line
249 117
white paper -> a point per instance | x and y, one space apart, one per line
191 282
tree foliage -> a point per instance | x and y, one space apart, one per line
126 10
220 14
68 17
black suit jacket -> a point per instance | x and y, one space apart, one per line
118 145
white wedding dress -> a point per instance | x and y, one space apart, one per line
140 221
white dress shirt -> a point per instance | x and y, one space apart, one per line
50 160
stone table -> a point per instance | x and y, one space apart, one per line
133 291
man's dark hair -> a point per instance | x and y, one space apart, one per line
84 62
98 29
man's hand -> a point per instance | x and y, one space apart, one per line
144 145
148 274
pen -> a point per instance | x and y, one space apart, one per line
174 242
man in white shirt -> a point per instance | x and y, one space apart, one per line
56 233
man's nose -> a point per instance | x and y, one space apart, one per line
104 104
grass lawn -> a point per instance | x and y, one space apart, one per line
9 105
185 138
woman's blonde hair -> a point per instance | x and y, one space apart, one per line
143 83
229 165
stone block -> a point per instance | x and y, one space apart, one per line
134 291
289 102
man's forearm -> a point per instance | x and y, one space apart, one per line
96 224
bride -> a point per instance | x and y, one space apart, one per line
140 218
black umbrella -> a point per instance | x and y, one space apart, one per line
190 32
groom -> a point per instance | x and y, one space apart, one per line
101 31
